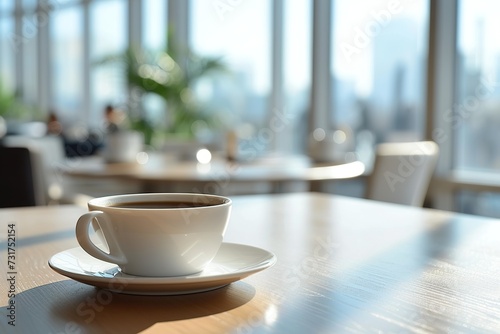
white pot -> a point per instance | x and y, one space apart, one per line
123 146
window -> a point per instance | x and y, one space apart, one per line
154 37
67 64
239 33
475 116
379 51
29 4
29 53
155 24
108 37
7 55
478 203
296 73
6 6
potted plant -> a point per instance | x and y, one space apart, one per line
6 103
11 109
170 74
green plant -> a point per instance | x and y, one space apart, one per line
170 74
7 102
11 107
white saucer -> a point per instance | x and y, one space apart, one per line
232 263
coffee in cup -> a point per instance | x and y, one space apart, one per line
157 234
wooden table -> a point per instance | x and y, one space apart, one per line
161 172
344 265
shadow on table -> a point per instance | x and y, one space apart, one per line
78 308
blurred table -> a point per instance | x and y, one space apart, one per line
161 172
344 265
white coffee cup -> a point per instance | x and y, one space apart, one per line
156 234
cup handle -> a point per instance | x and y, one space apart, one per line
83 237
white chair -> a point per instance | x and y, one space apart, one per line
402 172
